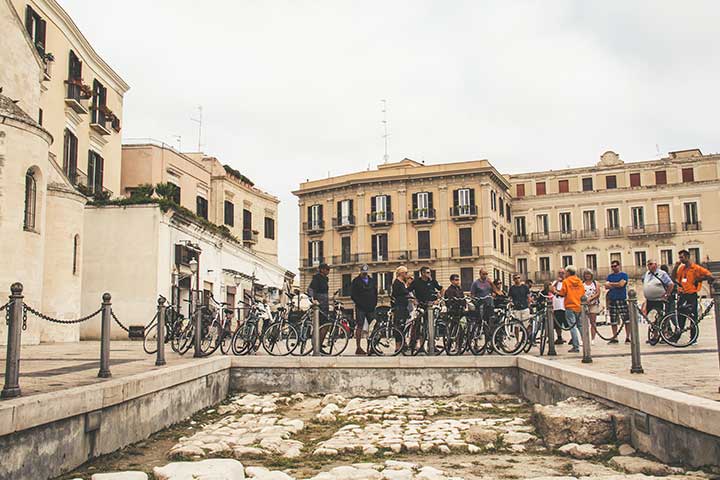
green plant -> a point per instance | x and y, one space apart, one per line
238 175
166 190
101 196
144 190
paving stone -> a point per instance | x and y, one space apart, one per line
640 465
214 469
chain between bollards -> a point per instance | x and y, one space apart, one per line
12 364
430 325
716 298
105 337
636 366
162 309
198 326
585 331
316 331
550 329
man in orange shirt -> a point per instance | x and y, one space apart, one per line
689 277
572 291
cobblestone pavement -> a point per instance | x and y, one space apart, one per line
694 370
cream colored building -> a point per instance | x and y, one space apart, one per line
452 217
615 210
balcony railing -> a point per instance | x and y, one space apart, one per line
651 230
520 238
554 237
344 222
312 262
377 219
250 236
692 226
422 254
463 212
613 232
345 259
316 226
465 252
74 98
590 234
99 121
422 215
541 277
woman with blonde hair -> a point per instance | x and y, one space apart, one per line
592 293
400 296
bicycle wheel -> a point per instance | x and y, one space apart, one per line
274 340
226 342
653 330
243 338
604 327
543 337
440 329
150 338
455 338
211 340
413 338
509 338
301 344
476 338
679 330
386 341
333 339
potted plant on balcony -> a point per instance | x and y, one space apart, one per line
48 59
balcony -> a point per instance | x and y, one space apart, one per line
422 254
312 262
461 213
553 237
345 259
315 227
465 252
250 237
589 234
541 277
344 223
692 226
380 219
75 99
422 215
383 257
520 238
613 232
99 121
651 230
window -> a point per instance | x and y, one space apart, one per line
589 221
74 77
563 186
507 211
520 190
383 280
95 171
565 222
229 213
345 250
695 254
315 251
638 217
501 203
176 196
380 208
666 257
201 207
508 247
542 224
634 179
465 240
315 217
30 200
270 228
70 155
345 213
540 188
424 244
610 182
522 265
35 27
688 175
520 228
99 103
422 205
346 284
616 257
567 260
494 239
502 243
587 184
40 116
464 201
591 262
76 255
247 220
380 247
613 219
493 200
466 278
544 263
640 258
660 177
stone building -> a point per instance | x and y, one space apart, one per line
451 217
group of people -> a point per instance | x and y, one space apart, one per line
565 294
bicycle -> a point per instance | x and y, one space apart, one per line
386 338
415 330
677 328
217 324
510 334
172 321
246 338
456 331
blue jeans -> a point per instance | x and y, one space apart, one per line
573 317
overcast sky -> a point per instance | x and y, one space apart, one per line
291 90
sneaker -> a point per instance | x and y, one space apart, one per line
614 340
559 341
574 350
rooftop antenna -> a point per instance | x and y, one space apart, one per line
199 121
178 139
386 157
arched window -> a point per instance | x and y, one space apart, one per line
76 255
30 200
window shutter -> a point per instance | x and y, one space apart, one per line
430 200
373 241
40 40
320 212
414 201
321 253
384 245
91 169
456 198
29 13
99 168
375 278
373 204
339 212
309 214
352 211
309 253
388 280
389 205
472 196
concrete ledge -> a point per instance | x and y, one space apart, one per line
696 413
440 361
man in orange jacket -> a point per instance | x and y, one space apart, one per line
572 291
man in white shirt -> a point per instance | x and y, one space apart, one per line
657 288
558 304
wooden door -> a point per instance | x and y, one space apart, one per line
663 216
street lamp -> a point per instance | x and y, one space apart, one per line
193 266
238 280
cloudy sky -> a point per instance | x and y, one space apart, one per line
291 89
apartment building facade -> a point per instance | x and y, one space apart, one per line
452 217
613 210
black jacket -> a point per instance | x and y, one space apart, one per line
364 295
454 292
318 286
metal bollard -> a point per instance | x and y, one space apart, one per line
716 297
636 367
105 337
550 330
160 361
430 325
198 326
585 331
316 331
12 364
